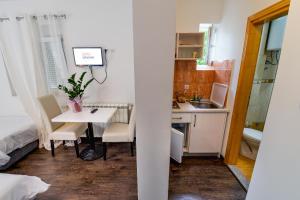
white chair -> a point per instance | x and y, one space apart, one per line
59 131
120 132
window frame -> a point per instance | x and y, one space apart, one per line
53 83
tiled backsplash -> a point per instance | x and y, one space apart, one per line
199 82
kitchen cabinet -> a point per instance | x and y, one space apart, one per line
207 132
189 46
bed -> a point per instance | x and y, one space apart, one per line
20 187
18 137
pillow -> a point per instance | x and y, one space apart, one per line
3 158
21 187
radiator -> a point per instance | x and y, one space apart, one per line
123 111
122 115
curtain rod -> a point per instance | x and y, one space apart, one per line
46 16
2 19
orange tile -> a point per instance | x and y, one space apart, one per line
200 82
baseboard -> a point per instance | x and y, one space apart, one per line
239 177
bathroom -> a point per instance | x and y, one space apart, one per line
261 93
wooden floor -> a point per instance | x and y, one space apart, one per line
203 179
246 166
115 179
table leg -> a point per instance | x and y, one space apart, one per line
91 136
93 151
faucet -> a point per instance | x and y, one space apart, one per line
196 97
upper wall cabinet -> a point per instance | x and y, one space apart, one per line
189 46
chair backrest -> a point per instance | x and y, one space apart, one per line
50 109
131 126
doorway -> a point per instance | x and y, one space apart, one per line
259 65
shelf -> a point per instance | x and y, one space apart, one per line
193 52
190 38
190 33
187 59
190 46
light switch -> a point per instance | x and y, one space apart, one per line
186 87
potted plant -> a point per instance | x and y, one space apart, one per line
75 91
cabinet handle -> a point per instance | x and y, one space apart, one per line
178 118
195 119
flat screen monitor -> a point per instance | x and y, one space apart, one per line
88 56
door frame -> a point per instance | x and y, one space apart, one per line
247 72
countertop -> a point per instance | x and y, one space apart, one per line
188 108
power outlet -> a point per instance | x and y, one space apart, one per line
186 87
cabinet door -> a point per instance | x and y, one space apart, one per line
207 133
177 141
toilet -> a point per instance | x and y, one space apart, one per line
250 143
252 136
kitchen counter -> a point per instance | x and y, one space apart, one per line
200 129
188 108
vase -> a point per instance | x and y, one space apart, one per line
75 105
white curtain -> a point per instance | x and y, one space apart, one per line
25 58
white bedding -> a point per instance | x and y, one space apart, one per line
20 187
15 132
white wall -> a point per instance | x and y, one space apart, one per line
230 40
190 13
276 175
154 28
92 23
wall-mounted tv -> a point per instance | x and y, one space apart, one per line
88 56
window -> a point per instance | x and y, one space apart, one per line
50 36
209 41
54 60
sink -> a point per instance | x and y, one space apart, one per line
204 105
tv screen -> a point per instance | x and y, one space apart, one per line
88 56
